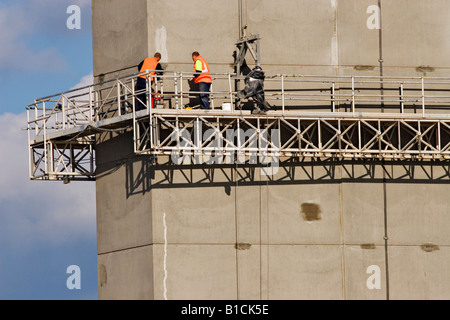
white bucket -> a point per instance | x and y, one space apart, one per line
226 106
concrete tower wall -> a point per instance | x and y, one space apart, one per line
319 229
308 37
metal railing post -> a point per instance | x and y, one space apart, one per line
175 82
30 160
423 97
353 94
119 107
150 129
91 113
181 90
230 91
63 107
133 104
161 86
282 93
91 152
96 95
402 103
36 125
333 101
148 94
45 138
211 96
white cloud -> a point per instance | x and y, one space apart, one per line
20 57
38 211
85 81
16 22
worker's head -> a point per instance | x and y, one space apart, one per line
195 54
157 55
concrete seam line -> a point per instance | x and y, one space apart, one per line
165 257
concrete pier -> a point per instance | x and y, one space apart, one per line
318 228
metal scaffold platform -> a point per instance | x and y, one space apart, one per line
346 117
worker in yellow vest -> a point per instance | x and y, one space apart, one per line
152 65
202 77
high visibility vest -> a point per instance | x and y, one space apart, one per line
205 76
149 64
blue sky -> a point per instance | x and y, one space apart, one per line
45 227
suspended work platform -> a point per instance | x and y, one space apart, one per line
348 117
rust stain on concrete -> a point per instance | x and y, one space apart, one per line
429 247
311 211
102 277
363 67
425 69
243 246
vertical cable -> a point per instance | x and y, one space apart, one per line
380 58
268 240
260 244
236 228
386 255
240 18
246 7
267 217
341 225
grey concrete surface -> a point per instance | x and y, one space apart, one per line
119 36
311 231
124 275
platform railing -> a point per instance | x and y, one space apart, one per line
61 127
421 96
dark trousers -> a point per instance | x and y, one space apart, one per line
204 97
141 98
141 104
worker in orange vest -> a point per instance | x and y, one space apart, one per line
203 78
152 65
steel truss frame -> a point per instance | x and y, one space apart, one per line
343 136
66 160
62 128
